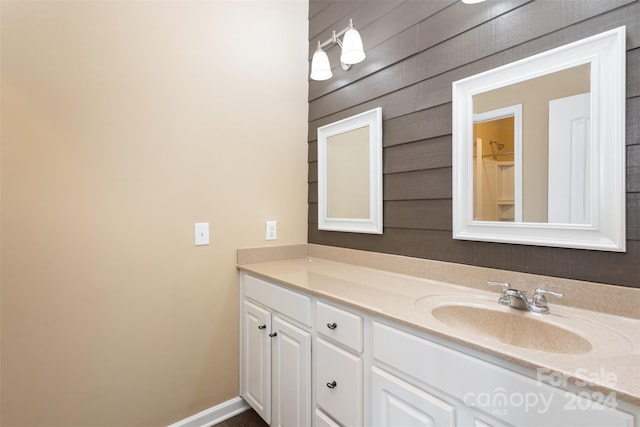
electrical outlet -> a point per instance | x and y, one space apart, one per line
271 230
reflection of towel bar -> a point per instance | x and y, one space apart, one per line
498 154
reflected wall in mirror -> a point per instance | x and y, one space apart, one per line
350 174
555 125
539 149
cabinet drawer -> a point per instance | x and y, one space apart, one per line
291 304
339 325
339 383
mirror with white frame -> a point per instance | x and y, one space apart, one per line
350 174
539 149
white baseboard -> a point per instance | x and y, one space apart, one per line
214 415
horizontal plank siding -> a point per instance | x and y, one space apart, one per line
313 214
406 73
415 51
426 154
633 118
418 214
422 124
437 90
633 168
318 6
313 172
459 18
406 15
313 152
327 15
313 192
633 221
438 245
633 79
424 184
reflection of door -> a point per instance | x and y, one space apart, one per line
480 187
569 188
485 187
497 177
493 189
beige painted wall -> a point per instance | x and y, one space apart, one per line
123 123
534 95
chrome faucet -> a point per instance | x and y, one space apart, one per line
518 299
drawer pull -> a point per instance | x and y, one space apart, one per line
262 327
332 384
332 326
274 334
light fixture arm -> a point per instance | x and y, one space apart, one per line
334 37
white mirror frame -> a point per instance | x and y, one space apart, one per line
607 56
373 223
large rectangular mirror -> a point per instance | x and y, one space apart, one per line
350 174
539 148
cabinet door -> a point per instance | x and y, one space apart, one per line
291 375
397 403
256 359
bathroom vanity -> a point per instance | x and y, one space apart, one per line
329 343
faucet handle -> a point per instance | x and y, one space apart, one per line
504 285
504 298
539 300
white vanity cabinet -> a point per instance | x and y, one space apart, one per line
309 362
275 373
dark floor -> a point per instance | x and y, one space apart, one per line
248 418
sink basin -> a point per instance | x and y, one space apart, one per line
479 319
517 329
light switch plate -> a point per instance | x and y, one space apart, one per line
271 230
201 233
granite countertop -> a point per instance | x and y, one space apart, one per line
611 365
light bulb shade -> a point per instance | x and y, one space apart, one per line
320 67
352 50
472 1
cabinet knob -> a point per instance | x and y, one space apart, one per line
262 327
273 334
332 384
332 326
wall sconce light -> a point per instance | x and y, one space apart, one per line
472 1
352 53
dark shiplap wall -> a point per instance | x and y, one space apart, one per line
415 50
